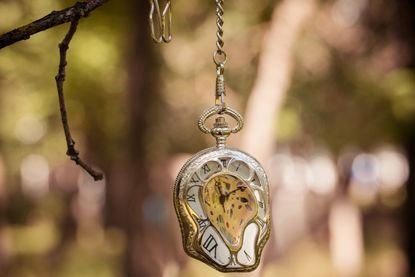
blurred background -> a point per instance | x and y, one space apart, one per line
327 89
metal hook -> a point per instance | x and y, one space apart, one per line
160 26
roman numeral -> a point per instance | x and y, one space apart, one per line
224 162
232 261
203 223
210 245
191 198
206 168
237 168
261 204
254 181
247 256
261 223
194 180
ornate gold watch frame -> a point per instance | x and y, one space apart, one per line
191 232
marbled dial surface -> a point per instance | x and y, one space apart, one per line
230 205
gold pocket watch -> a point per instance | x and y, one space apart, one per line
221 199
221 195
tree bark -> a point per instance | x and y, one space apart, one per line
80 9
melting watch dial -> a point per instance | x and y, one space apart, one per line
221 198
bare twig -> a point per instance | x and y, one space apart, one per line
60 78
71 14
80 9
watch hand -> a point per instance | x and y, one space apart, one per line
219 188
222 196
235 190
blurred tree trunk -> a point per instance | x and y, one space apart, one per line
403 25
271 86
142 96
274 76
410 205
129 190
410 148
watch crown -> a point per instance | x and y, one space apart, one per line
220 122
220 131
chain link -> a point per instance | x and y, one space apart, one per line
160 21
220 129
219 57
219 25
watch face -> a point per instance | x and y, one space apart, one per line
229 205
221 199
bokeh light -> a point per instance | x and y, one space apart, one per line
324 175
34 172
327 92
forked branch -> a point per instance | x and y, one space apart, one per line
71 14
60 79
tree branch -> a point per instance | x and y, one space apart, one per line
79 9
71 14
60 78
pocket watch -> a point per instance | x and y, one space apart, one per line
221 197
